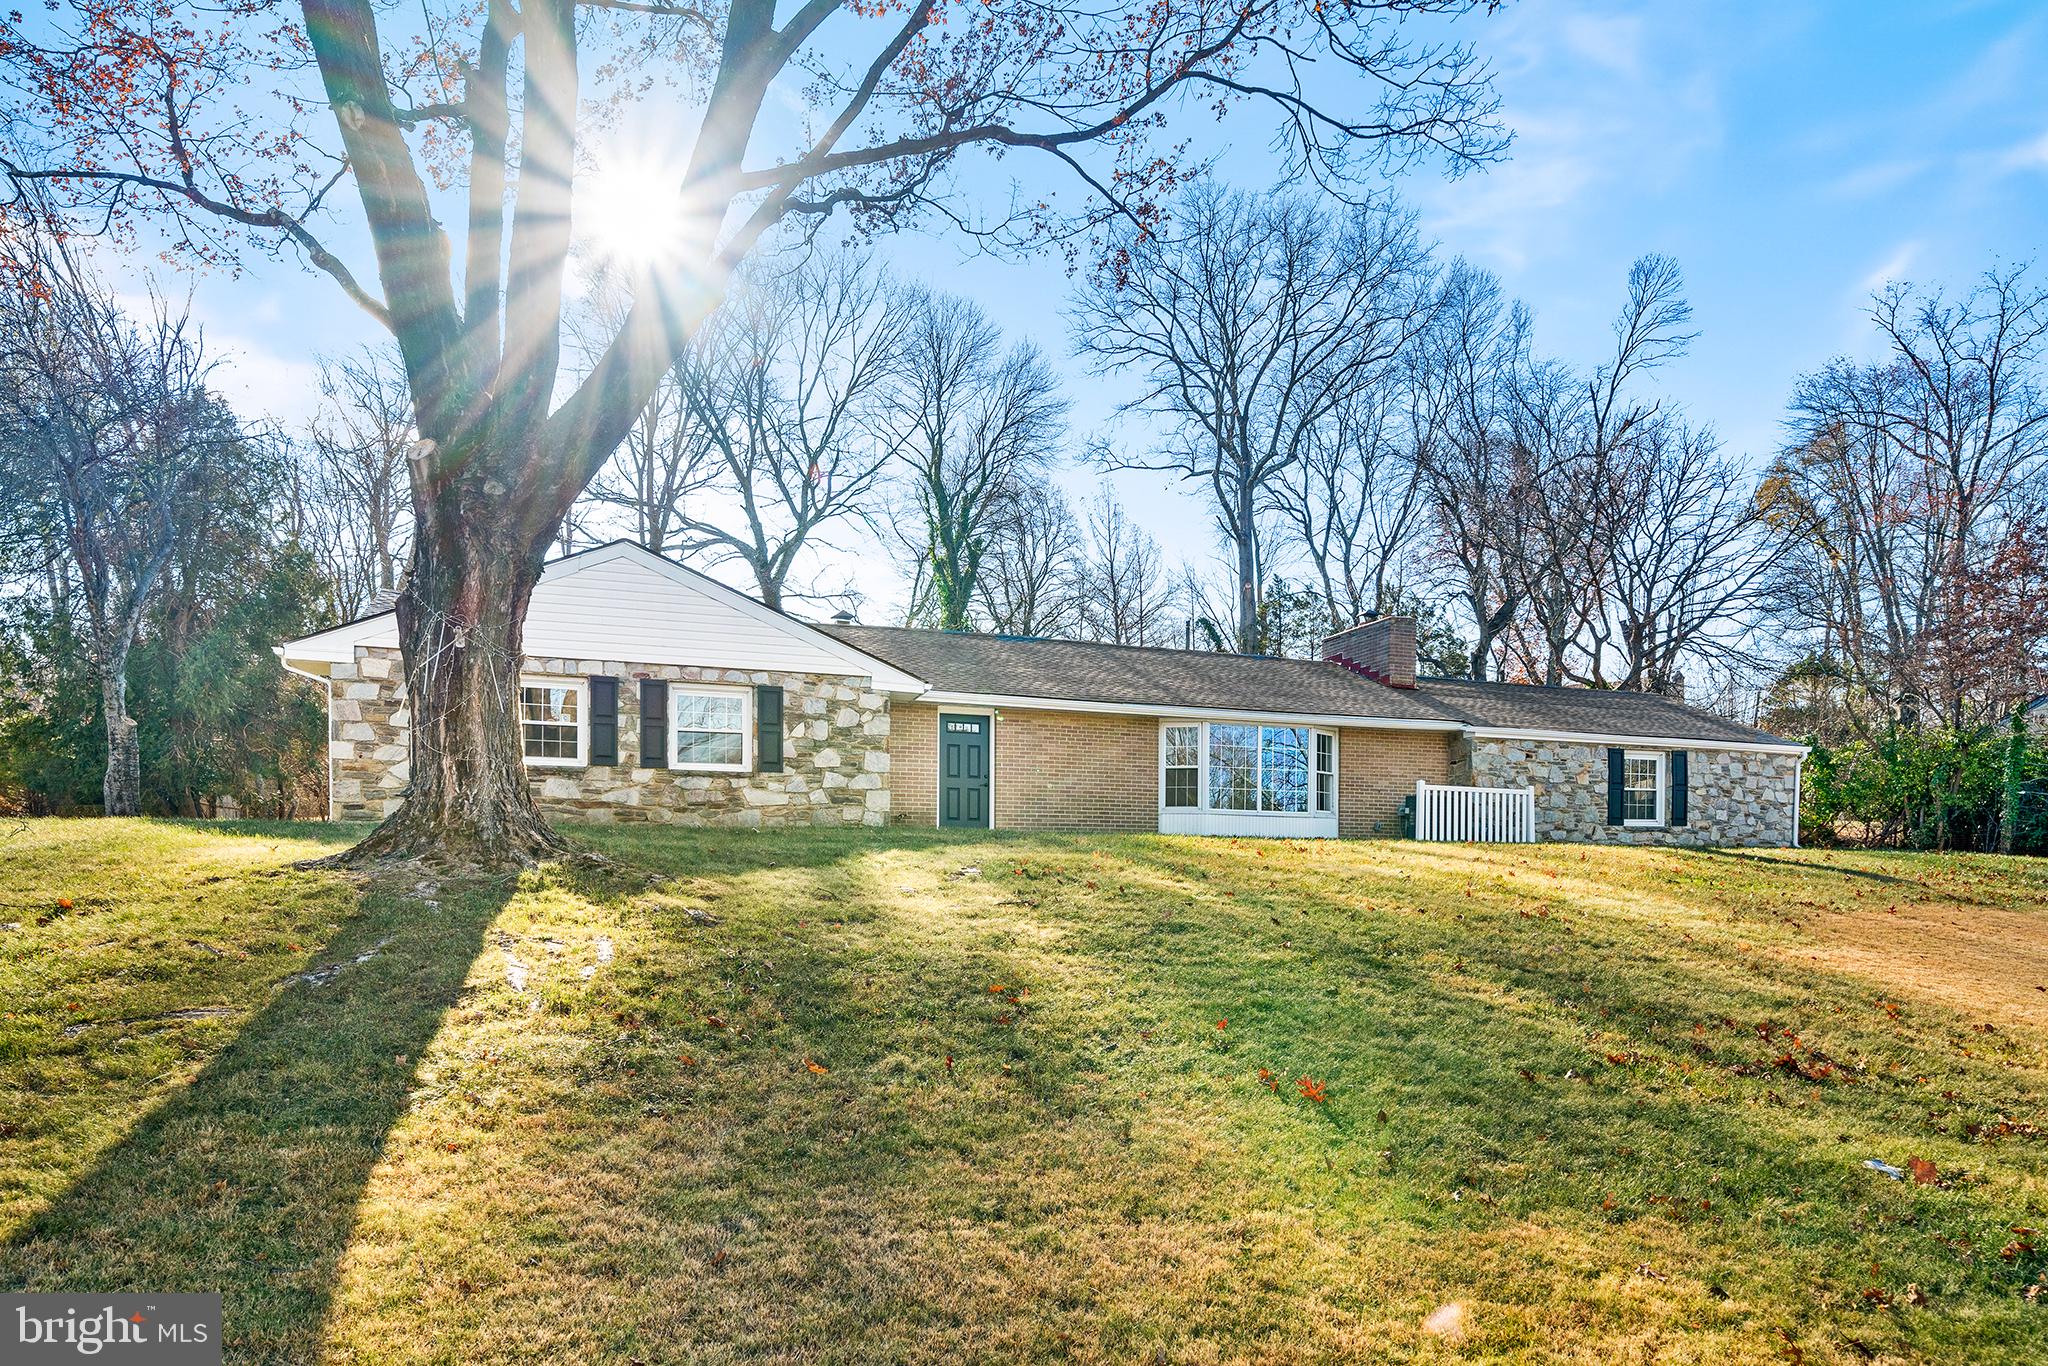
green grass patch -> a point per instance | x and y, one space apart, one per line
912 1096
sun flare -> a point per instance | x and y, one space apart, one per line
631 214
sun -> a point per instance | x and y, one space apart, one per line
631 214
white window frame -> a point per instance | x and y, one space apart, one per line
1663 786
1336 758
678 691
1201 764
1202 768
579 686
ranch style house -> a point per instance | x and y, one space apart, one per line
650 692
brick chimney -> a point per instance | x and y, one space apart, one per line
1382 649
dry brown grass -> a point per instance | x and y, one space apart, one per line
1613 1103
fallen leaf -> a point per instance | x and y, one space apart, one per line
817 1067
1924 1172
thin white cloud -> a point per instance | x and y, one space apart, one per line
1601 103
1897 266
2030 155
1878 178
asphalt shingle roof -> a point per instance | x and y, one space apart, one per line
1083 671
1594 711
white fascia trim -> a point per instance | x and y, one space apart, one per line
322 679
337 644
1167 712
1638 741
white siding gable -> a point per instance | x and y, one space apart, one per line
621 603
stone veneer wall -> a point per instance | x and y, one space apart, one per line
835 751
1733 797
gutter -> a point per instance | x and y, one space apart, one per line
1646 741
1167 711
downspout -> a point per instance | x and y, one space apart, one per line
1798 794
327 705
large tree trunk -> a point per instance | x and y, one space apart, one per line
461 621
121 790
1246 534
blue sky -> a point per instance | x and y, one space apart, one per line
1792 156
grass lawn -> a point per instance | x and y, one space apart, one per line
929 1098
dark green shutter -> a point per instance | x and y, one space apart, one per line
604 719
1616 779
1680 781
653 723
767 729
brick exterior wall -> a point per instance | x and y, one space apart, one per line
1377 770
835 752
1733 797
1054 770
914 764
1097 772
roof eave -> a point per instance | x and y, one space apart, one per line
1606 738
1170 711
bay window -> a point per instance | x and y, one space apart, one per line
1244 766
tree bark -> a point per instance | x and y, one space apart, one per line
121 790
461 622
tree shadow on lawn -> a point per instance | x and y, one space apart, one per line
1095 1169
1803 866
246 1181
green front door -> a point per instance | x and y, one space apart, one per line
964 753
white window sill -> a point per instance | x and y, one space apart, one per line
710 768
532 762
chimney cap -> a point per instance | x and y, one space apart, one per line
845 617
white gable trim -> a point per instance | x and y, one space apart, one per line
337 645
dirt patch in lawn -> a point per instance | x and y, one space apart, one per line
1989 964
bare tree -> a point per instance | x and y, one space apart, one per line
1248 323
1465 362
1354 501
1687 566
1127 598
1913 503
1574 439
354 494
1031 578
779 411
246 125
110 423
980 425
